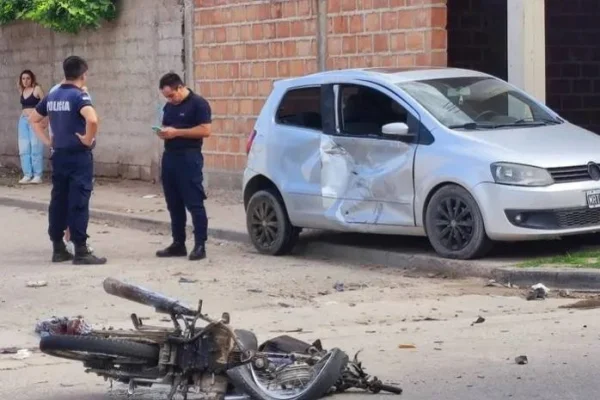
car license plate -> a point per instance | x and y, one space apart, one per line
593 198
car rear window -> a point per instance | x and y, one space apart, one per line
301 108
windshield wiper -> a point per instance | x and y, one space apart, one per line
532 122
472 126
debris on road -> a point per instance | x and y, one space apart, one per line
63 326
538 292
186 280
149 196
36 284
586 304
521 360
426 319
565 293
254 290
21 354
494 283
479 320
339 286
407 346
9 350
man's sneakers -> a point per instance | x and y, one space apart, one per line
28 179
80 255
179 250
25 180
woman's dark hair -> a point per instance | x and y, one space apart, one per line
31 75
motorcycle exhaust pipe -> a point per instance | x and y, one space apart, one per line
138 294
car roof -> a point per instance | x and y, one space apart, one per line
390 74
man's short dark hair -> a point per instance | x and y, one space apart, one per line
171 80
74 67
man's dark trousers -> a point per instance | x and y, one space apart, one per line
72 184
182 185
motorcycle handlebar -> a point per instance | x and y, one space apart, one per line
138 294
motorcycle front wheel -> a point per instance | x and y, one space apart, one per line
296 382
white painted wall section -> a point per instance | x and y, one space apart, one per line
527 46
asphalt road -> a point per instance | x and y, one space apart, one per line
453 359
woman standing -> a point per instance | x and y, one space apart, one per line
31 148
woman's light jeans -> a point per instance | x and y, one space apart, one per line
31 150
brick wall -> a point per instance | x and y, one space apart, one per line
573 61
477 36
242 46
126 59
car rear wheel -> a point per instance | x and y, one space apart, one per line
268 224
454 224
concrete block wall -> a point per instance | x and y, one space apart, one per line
126 59
242 46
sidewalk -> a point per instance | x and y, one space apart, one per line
139 201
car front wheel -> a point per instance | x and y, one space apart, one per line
268 224
454 224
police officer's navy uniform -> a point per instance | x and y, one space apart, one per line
72 172
182 178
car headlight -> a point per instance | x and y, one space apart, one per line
520 175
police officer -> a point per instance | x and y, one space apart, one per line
74 124
186 121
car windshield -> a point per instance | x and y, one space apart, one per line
477 103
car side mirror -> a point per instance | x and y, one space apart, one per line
397 129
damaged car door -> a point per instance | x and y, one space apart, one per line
367 158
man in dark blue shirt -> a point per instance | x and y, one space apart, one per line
74 124
186 121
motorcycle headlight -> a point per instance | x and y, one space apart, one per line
520 175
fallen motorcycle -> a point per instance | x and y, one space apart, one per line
215 361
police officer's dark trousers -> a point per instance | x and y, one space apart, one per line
183 187
72 183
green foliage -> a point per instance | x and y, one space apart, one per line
69 16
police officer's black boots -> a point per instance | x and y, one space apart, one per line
174 250
199 252
60 252
83 256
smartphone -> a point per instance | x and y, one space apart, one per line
156 129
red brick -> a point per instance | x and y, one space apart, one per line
349 44
439 59
339 25
258 70
275 11
304 48
289 49
246 33
269 31
264 87
334 45
415 41
381 42
423 59
233 34
364 44
406 60
405 19
381 3
389 20
246 107
439 39
227 53
334 6
283 68
397 41
356 23
439 17
297 28
305 7
289 9
257 32
397 3
251 52
349 5
373 22
282 29
271 69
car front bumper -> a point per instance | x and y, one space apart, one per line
525 213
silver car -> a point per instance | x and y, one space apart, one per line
456 155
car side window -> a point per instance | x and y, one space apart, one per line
301 108
364 111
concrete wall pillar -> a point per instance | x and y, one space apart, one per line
527 46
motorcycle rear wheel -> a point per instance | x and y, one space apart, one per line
85 348
247 380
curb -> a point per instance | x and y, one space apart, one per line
314 249
558 278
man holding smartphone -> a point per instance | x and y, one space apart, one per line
74 123
186 122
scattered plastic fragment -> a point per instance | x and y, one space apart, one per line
63 326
